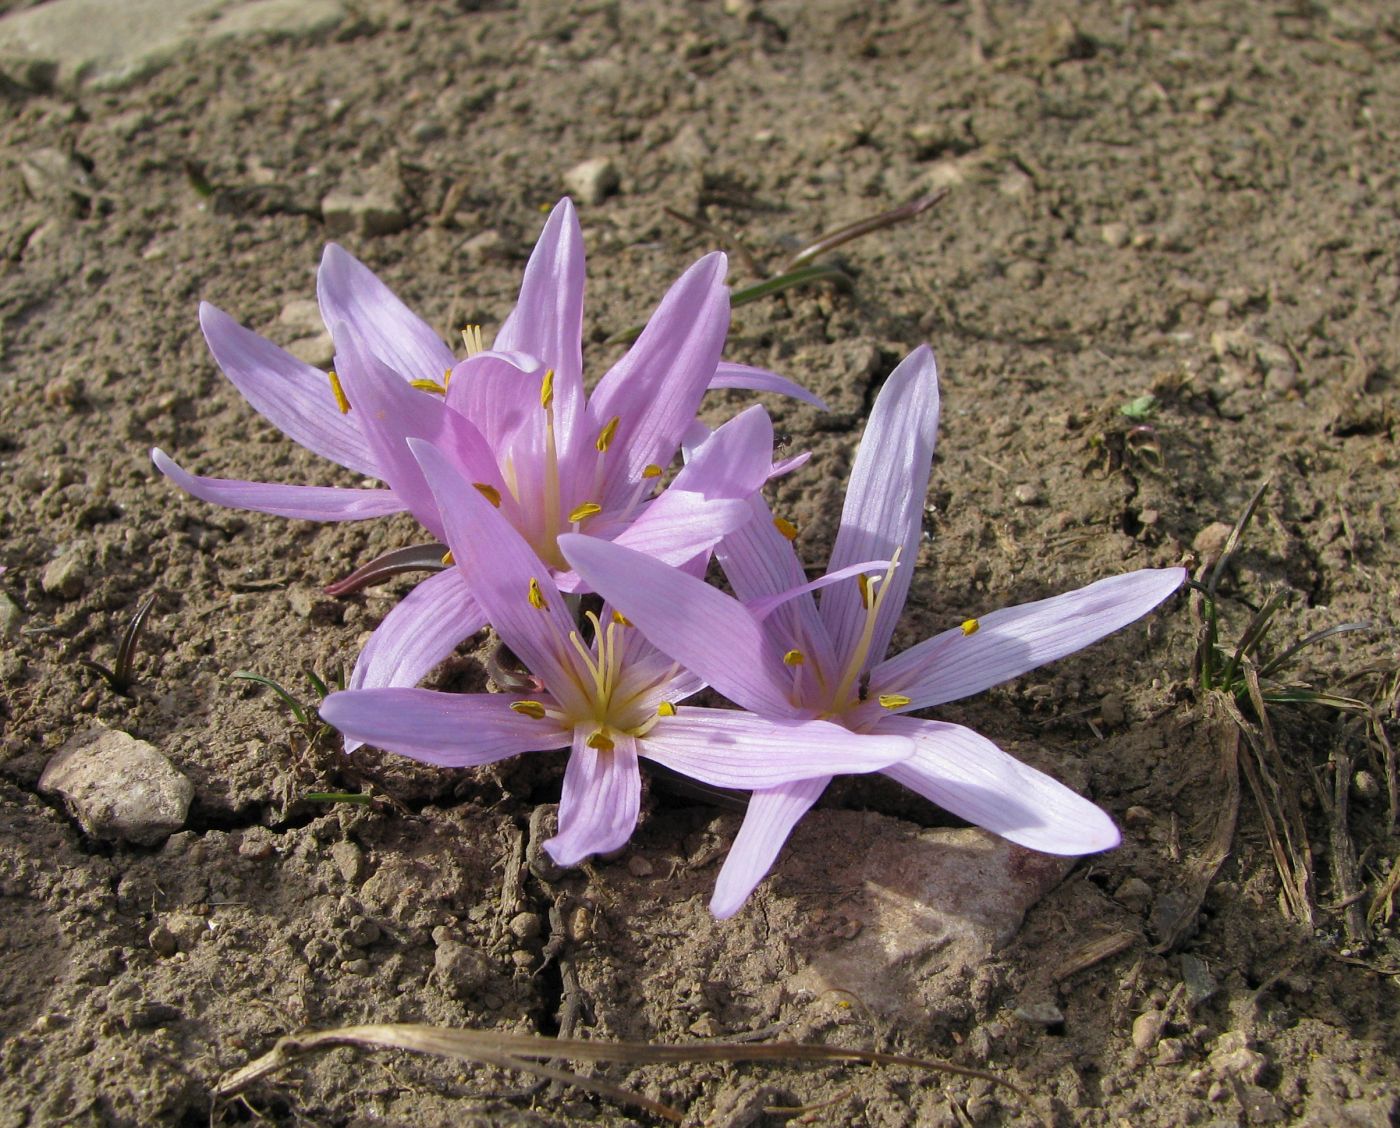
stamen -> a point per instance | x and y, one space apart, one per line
587 509
448 558
446 379
600 741
429 386
536 595
665 709
605 436
893 700
339 393
489 492
547 389
971 626
620 619
471 338
786 527
794 658
651 471
863 582
528 709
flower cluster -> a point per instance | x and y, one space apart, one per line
542 493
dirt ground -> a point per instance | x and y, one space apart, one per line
1196 201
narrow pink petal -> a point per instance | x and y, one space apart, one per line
885 501
760 565
454 730
294 396
771 816
547 321
699 626
391 412
727 748
311 503
598 808
679 524
422 629
497 395
729 375
656 388
350 292
734 461
762 608
498 566
965 773
1013 640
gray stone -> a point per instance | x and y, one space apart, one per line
11 617
369 211
65 576
592 181
72 43
118 788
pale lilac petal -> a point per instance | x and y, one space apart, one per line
885 501
311 503
294 396
699 626
547 321
351 293
498 566
729 375
656 388
454 730
770 818
1013 640
727 748
679 524
786 466
391 412
601 797
734 462
762 608
422 629
497 395
761 564
965 773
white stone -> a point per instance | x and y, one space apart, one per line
592 181
118 788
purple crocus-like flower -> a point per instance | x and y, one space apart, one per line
611 699
781 654
515 420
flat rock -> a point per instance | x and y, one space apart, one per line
858 904
97 43
118 788
592 181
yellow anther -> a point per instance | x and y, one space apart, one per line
786 527
489 492
471 338
794 658
665 709
428 386
536 595
587 509
893 700
448 558
547 388
971 626
605 436
863 582
446 379
528 709
600 741
652 471
620 619
339 393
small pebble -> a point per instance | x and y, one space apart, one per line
525 926
1134 894
1363 783
1111 710
65 577
1147 1028
1138 818
1210 541
1116 235
638 866
1170 1051
592 181
1027 493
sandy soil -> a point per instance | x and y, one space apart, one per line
1192 200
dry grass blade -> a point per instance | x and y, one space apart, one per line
520 1051
1095 951
1228 725
1383 903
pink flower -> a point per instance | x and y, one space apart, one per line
781 654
